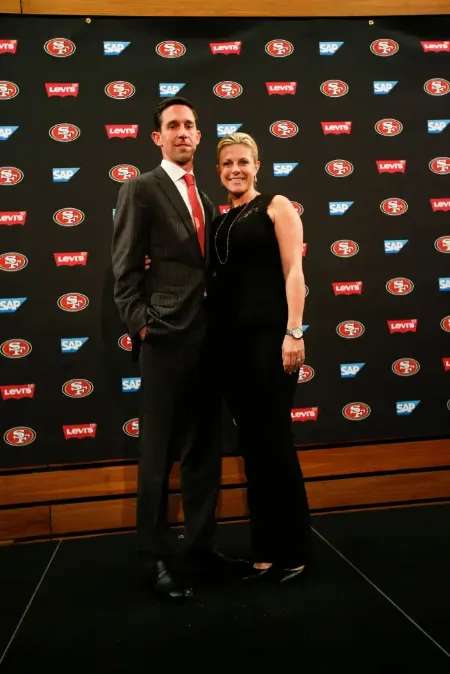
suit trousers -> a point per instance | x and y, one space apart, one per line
178 421
260 396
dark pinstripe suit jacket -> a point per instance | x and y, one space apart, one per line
152 218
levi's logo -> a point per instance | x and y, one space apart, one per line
436 45
336 127
281 88
348 288
17 391
225 47
407 325
79 431
13 217
122 130
70 259
8 46
304 414
391 165
440 204
61 89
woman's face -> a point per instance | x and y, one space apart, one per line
237 168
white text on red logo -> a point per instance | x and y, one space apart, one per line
70 259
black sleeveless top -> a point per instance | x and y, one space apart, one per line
247 283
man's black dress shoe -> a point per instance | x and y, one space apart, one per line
164 584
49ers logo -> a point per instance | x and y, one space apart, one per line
443 244
440 165
298 207
356 411
77 388
388 127
131 427
437 87
123 172
305 374
19 436
345 248
73 302
15 348
125 342
279 48
120 90
12 262
394 206
350 329
384 47
400 286
405 367
8 90
169 49
60 47
10 175
64 133
284 129
228 89
445 324
339 168
68 217
334 88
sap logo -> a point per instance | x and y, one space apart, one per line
10 304
329 48
72 344
114 48
406 406
283 169
380 87
132 384
169 89
444 283
7 131
437 125
394 245
63 175
226 129
339 207
350 369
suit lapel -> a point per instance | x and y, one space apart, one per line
175 198
208 220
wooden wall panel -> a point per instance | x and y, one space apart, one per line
10 6
325 8
25 523
116 480
328 495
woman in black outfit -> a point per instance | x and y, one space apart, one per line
257 297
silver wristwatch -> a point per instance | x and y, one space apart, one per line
297 333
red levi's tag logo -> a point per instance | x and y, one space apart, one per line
391 165
225 47
304 414
336 127
348 288
407 325
79 431
70 259
122 130
62 89
17 391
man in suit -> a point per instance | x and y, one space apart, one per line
163 215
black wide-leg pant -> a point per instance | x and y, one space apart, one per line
260 396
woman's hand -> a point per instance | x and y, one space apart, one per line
293 352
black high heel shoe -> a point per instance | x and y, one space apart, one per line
273 574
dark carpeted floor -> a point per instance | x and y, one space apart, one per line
377 600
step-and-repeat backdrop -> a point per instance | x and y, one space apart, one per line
352 125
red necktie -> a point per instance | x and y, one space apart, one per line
199 220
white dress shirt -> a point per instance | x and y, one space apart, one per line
176 173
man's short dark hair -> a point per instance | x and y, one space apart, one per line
167 103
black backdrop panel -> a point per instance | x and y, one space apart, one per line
353 377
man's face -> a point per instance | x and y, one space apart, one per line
179 136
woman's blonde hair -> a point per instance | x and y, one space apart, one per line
238 139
